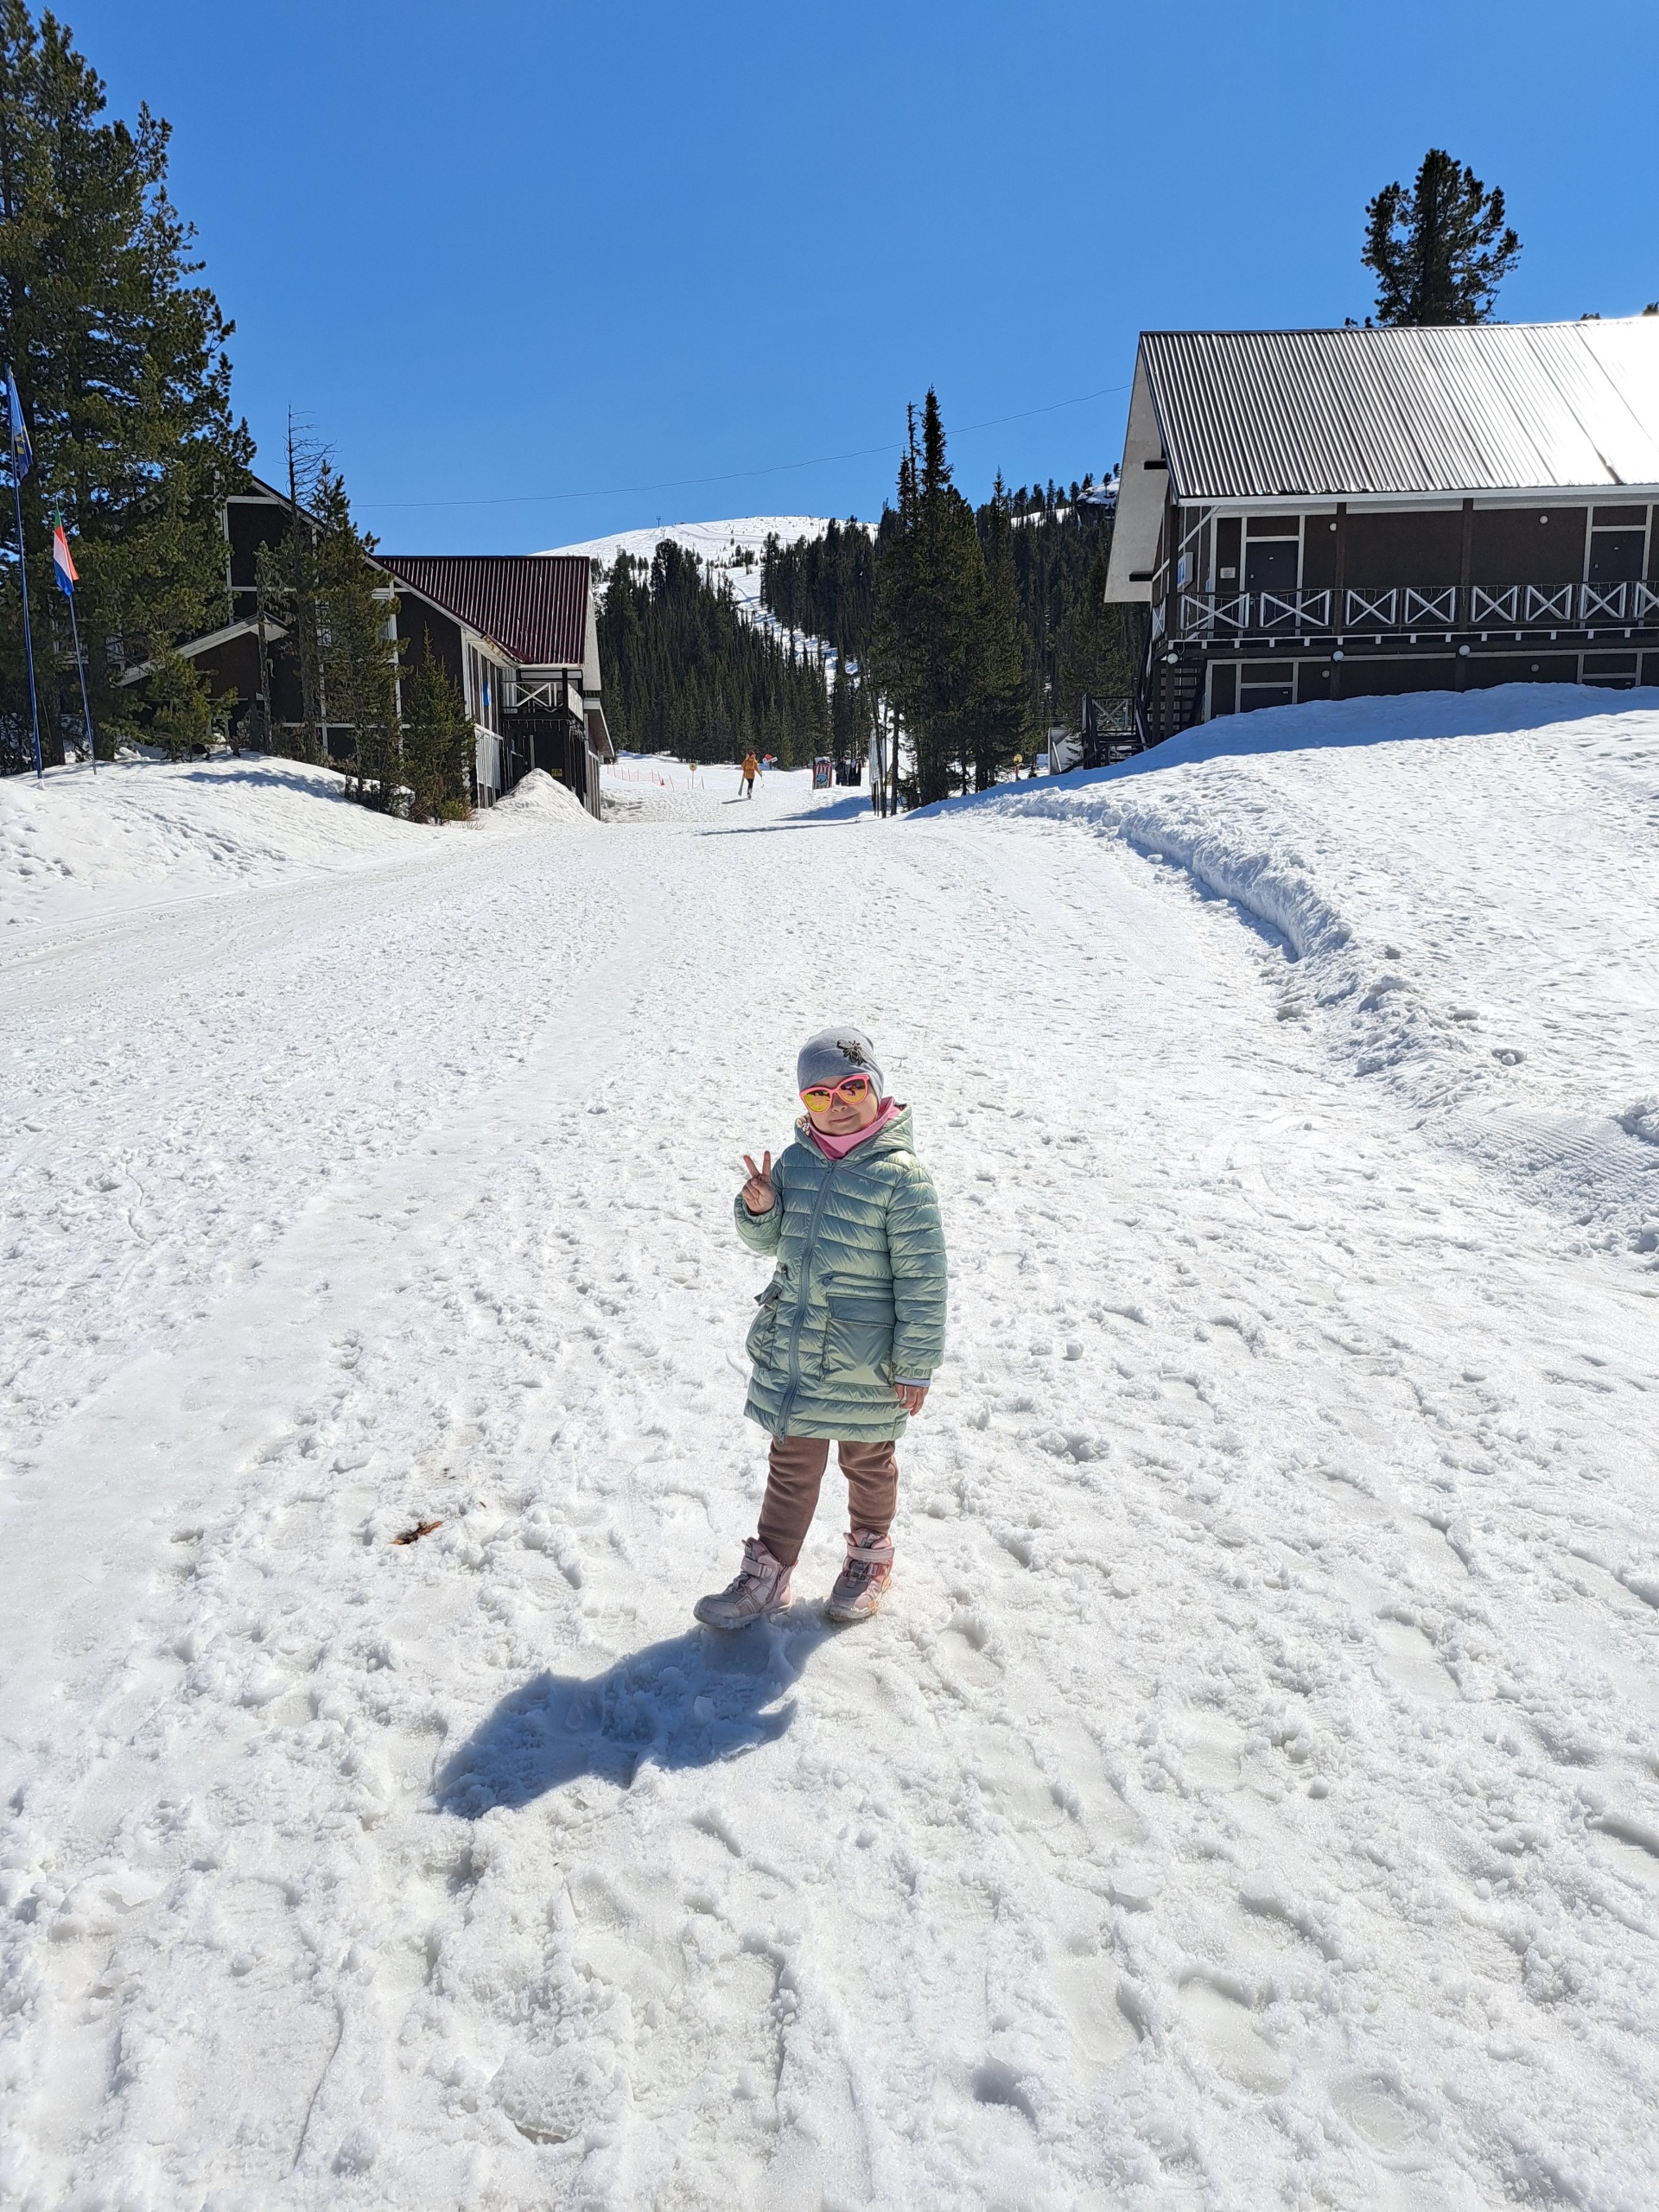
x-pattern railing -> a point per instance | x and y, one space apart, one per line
1294 610
1432 610
1494 606
1414 607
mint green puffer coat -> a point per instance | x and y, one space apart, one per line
857 1301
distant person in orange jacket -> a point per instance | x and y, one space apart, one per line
751 770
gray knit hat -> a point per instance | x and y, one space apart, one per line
833 1055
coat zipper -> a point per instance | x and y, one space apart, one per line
802 1289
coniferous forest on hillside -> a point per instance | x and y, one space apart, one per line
980 627
686 674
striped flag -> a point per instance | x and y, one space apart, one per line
62 567
23 453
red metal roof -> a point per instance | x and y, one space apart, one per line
534 606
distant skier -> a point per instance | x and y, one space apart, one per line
751 769
851 1326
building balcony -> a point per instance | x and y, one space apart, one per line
1409 610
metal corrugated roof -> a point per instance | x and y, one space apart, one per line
534 606
1330 414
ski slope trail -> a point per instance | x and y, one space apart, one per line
1250 1794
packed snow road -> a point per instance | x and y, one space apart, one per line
1251 1793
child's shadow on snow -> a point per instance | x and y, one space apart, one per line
685 1703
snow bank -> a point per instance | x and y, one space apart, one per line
1458 891
146 827
539 802
142 833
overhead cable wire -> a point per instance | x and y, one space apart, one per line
734 476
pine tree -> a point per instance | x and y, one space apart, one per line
998 712
121 365
1440 251
357 647
929 596
438 744
182 707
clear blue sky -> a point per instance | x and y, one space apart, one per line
516 248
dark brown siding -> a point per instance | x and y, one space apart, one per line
233 666
1319 552
1522 668
1512 546
250 525
1229 533
1312 681
1370 679
425 632
1404 549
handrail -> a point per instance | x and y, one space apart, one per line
1414 607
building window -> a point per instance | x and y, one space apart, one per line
1610 671
1266 684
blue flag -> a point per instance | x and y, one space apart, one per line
23 453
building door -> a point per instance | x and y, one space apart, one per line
1619 544
1272 559
1272 563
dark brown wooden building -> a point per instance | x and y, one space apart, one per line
1319 514
516 632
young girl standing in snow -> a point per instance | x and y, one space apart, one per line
850 1328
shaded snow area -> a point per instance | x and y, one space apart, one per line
1249 1794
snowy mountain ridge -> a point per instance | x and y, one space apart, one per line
715 543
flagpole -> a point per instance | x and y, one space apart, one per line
29 642
81 665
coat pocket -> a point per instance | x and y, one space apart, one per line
858 1339
763 1328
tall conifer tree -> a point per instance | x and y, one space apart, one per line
120 359
1440 251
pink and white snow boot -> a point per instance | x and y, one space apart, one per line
862 1582
760 1589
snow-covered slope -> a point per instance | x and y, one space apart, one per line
719 545
715 542
1461 901
1248 1796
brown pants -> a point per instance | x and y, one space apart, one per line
796 1469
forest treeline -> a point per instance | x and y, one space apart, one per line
981 628
686 674
978 628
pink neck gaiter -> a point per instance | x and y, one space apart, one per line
838 1148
